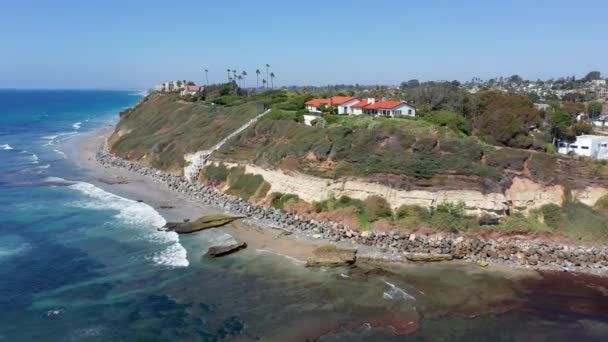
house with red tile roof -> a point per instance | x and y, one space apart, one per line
191 90
342 104
370 106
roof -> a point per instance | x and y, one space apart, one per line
334 100
317 102
341 99
385 105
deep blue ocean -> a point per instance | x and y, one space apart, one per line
78 263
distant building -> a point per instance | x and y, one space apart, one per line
354 106
170 86
598 83
594 146
191 90
342 103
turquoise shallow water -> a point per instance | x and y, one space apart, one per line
80 264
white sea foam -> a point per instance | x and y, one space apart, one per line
45 166
60 153
6 147
396 292
12 245
34 159
76 125
138 216
56 180
52 139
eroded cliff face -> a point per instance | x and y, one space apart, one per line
522 195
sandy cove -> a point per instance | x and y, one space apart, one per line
260 230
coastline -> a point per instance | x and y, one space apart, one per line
263 227
175 206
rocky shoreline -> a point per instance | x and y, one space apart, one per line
512 251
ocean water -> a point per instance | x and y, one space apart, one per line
78 263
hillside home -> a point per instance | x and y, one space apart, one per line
370 106
389 108
191 90
594 146
342 104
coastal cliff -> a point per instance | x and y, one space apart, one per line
367 173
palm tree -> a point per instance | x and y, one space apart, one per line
272 80
257 78
244 74
207 76
228 70
264 82
267 67
240 78
234 72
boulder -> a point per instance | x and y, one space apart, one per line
331 256
218 251
428 257
204 222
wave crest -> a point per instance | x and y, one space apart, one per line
137 215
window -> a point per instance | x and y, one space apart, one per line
573 146
409 112
563 145
585 147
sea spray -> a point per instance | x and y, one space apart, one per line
138 216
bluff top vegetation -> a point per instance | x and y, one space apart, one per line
161 129
459 140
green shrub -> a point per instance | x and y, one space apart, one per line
506 158
412 211
451 216
552 215
278 200
243 184
376 207
216 174
453 120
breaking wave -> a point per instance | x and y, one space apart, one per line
6 147
139 216
77 125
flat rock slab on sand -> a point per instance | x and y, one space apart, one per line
218 251
428 257
204 222
331 256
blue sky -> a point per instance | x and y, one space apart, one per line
118 44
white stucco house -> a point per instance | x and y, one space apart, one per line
594 146
354 106
341 103
390 109
191 90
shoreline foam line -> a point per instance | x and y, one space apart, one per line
137 215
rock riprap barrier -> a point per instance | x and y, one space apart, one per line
516 251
